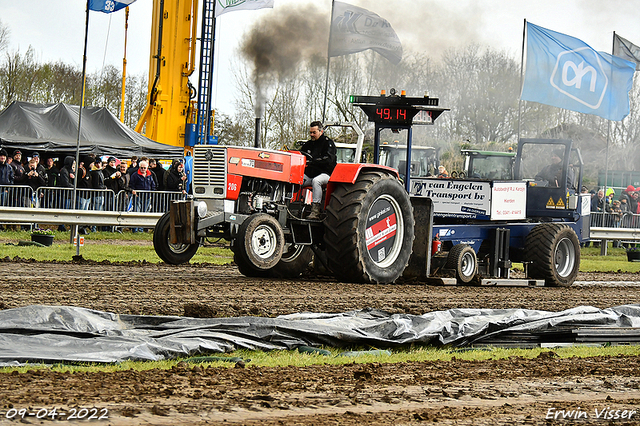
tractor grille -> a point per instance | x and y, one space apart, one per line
209 171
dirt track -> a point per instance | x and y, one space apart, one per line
514 391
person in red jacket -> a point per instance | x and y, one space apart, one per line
141 183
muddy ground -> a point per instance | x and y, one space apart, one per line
505 392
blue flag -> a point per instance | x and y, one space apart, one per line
565 72
108 6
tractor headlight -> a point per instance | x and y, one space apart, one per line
202 209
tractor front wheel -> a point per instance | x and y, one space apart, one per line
174 254
258 244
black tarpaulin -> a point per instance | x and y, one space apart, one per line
52 334
54 128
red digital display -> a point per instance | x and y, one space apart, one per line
386 114
390 114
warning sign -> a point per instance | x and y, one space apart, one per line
560 204
551 204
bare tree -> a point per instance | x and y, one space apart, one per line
4 36
17 77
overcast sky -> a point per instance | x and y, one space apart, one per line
55 28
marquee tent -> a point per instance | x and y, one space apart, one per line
53 129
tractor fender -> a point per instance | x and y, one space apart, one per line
349 172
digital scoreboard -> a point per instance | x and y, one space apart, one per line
398 110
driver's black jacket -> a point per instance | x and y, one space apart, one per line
323 155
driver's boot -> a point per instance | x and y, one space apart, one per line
315 212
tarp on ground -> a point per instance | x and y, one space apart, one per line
52 334
53 128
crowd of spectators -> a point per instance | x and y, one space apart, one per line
93 173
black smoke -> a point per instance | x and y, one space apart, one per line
277 44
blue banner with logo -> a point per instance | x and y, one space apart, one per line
565 72
108 6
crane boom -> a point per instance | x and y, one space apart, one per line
171 62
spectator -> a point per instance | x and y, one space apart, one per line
19 178
134 165
153 175
18 169
598 203
39 167
67 173
611 193
112 174
52 172
34 179
6 177
159 171
442 172
97 182
176 178
142 180
633 205
122 183
616 213
84 183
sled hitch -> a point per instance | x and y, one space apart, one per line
182 218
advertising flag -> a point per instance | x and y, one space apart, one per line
624 49
224 6
565 72
108 6
355 29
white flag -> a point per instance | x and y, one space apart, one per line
355 29
224 6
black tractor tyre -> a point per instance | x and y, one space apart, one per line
369 229
174 254
258 244
294 262
554 252
463 260
247 269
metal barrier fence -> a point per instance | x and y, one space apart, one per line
615 220
17 196
23 196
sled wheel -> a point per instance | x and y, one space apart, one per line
369 229
294 262
174 254
554 252
462 259
259 243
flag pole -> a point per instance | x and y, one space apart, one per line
75 178
524 30
326 80
124 63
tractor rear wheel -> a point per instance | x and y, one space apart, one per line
174 254
369 229
295 260
258 244
463 260
554 252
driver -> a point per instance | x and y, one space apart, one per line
321 160
553 172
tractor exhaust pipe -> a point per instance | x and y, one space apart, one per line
257 137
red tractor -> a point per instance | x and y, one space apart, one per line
254 198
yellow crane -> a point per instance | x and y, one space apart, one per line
170 108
